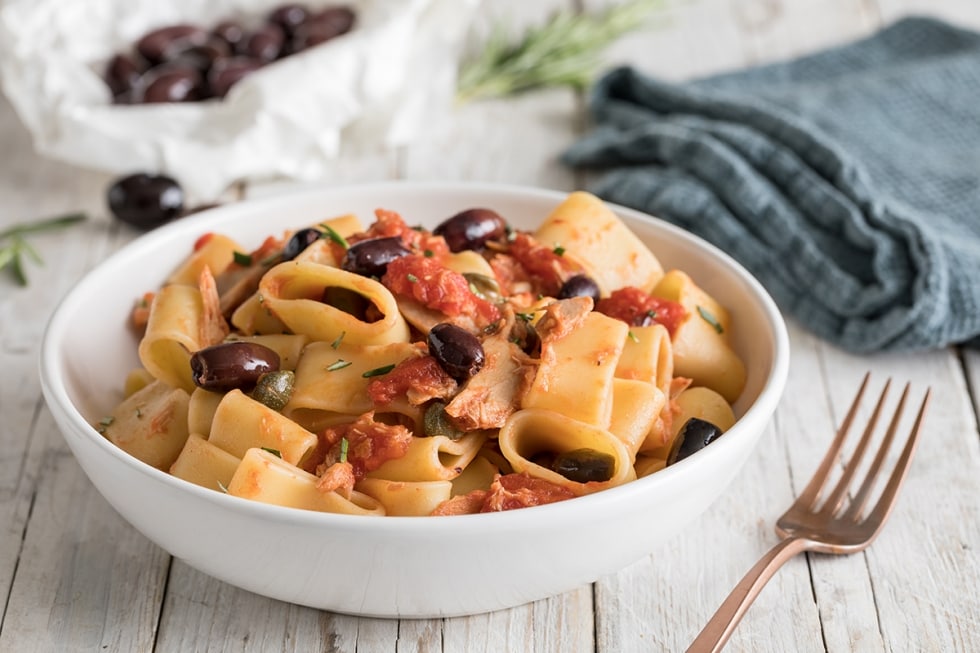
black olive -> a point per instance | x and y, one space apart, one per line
204 57
471 229
173 82
370 258
580 285
230 31
321 27
166 43
231 365
227 72
123 73
695 435
265 43
146 201
584 465
299 242
288 16
456 350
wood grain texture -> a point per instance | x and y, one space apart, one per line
74 576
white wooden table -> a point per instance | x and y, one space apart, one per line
74 576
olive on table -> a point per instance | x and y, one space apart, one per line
471 229
579 285
230 365
584 465
457 351
146 201
299 241
370 258
695 435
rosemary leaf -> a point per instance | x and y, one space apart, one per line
13 251
566 51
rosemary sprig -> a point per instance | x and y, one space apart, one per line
14 246
564 52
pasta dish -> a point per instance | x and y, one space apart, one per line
387 369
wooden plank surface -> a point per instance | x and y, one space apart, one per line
74 576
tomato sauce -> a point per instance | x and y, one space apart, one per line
435 286
419 379
637 308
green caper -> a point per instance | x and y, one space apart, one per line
436 422
584 465
483 286
274 389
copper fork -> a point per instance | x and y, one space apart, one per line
825 519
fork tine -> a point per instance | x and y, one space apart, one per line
879 514
808 497
837 496
860 498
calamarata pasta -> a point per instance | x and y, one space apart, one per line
384 369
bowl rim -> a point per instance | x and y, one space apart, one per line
56 395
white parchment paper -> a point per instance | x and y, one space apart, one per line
376 86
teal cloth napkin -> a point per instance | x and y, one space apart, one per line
847 182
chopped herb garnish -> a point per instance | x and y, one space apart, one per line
221 486
139 414
332 234
104 423
652 314
527 317
378 371
270 259
632 336
428 253
710 319
558 250
344 445
274 452
337 340
412 278
244 260
339 364
12 253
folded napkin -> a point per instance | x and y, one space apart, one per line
847 182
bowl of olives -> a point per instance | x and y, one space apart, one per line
212 93
394 566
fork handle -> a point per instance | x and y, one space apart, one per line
716 632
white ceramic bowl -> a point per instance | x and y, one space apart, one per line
392 566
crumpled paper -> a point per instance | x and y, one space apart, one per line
376 86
